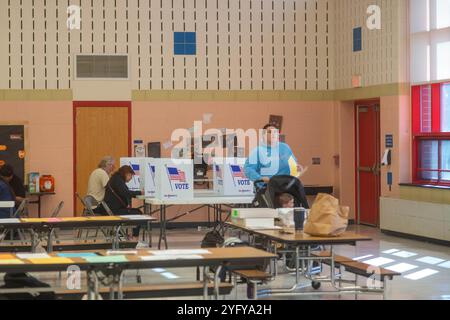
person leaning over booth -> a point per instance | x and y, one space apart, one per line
118 196
273 158
99 179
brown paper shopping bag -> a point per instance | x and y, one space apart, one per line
327 217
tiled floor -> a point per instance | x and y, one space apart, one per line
425 267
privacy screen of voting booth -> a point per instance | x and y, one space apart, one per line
135 164
162 178
230 178
148 177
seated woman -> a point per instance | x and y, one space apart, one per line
118 196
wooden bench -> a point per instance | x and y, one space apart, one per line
253 276
151 291
358 269
12 247
90 245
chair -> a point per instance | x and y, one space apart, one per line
58 209
107 208
55 214
19 213
21 209
89 202
110 213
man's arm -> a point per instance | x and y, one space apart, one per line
252 167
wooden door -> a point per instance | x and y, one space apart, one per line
368 163
99 132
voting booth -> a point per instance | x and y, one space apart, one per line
135 164
173 178
230 178
148 177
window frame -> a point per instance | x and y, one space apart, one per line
418 136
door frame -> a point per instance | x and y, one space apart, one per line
96 104
357 182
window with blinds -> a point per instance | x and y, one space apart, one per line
430 40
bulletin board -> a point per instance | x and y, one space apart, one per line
12 148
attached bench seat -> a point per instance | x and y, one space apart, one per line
357 267
152 291
254 274
90 245
12 247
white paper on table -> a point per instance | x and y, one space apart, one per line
171 257
136 217
33 256
123 252
267 228
7 221
180 252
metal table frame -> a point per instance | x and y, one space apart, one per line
303 257
48 228
214 202
112 274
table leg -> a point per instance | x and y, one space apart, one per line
50 241
165 228
116 240
216 282
205 282
209 216
39 206
297 265
34 241
92 284
332 267
162 233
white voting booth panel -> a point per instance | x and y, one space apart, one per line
230 178
174 179
148 177
135 163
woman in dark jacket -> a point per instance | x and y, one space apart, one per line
118 196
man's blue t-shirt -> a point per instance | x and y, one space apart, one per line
259 164
5 195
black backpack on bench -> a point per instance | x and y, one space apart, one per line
23 281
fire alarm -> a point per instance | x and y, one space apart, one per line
356 81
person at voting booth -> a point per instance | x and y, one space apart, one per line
273 158
99 179
118 197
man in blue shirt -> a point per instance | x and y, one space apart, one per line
273 158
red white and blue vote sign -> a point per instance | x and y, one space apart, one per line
239 178
230 178
177 179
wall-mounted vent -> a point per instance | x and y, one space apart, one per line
102 67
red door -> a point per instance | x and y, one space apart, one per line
368 162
